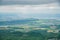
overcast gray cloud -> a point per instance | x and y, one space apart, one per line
29 9
26 2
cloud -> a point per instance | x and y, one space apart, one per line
26 9
26 2
29 11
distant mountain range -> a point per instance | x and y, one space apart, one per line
15 22
16 16
31 21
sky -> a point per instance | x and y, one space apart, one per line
31 9
27 2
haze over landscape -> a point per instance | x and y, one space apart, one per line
29 19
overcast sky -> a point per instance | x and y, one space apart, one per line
39 9
26 2
26 9
42 5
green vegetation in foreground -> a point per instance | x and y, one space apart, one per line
32 30
29 35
